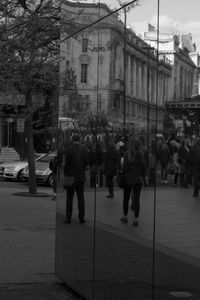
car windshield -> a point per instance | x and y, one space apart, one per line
36 156
46 158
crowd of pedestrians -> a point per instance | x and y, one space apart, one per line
174 161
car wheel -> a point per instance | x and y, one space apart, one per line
20 176
50 180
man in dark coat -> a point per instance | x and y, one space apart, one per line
111 161
96 161
76 162
194 163
183 153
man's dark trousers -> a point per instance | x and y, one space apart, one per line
78 187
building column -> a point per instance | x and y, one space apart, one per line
145 82
150 85
140 79
134 76
159 88
153 100
128 76
164 89
131 76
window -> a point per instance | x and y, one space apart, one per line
67 65
84 45
84 73
181 82
68 44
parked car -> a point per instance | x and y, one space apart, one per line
43 174
14 169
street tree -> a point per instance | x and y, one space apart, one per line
29 47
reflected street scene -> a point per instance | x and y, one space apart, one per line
127 174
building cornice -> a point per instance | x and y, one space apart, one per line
86 5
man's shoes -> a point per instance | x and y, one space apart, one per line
195 195
110 196
124 220
135 222
67 221
82 221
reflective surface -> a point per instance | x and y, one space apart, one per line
103 258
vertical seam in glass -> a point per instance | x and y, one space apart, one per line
156 129
125 51
95 188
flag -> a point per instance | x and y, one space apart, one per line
151 27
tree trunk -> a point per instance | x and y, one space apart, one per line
30 147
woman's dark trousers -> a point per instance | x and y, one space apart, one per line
109 184
136 198
196 182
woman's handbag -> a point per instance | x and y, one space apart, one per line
120 179
68 181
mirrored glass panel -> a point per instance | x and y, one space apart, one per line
177 243
106 105
127 121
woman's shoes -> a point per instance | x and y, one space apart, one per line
124 220
110 196
82 221
67 221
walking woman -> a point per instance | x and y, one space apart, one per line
111 161
134 169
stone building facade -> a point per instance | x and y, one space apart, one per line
92 69
181 54
182 104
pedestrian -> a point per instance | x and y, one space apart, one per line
183 153
96 161
92 158
76 163
194 163
99 164
53 166
165 159
111 162
146 156
152 166
134 170
176 165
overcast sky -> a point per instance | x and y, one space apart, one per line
177 16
